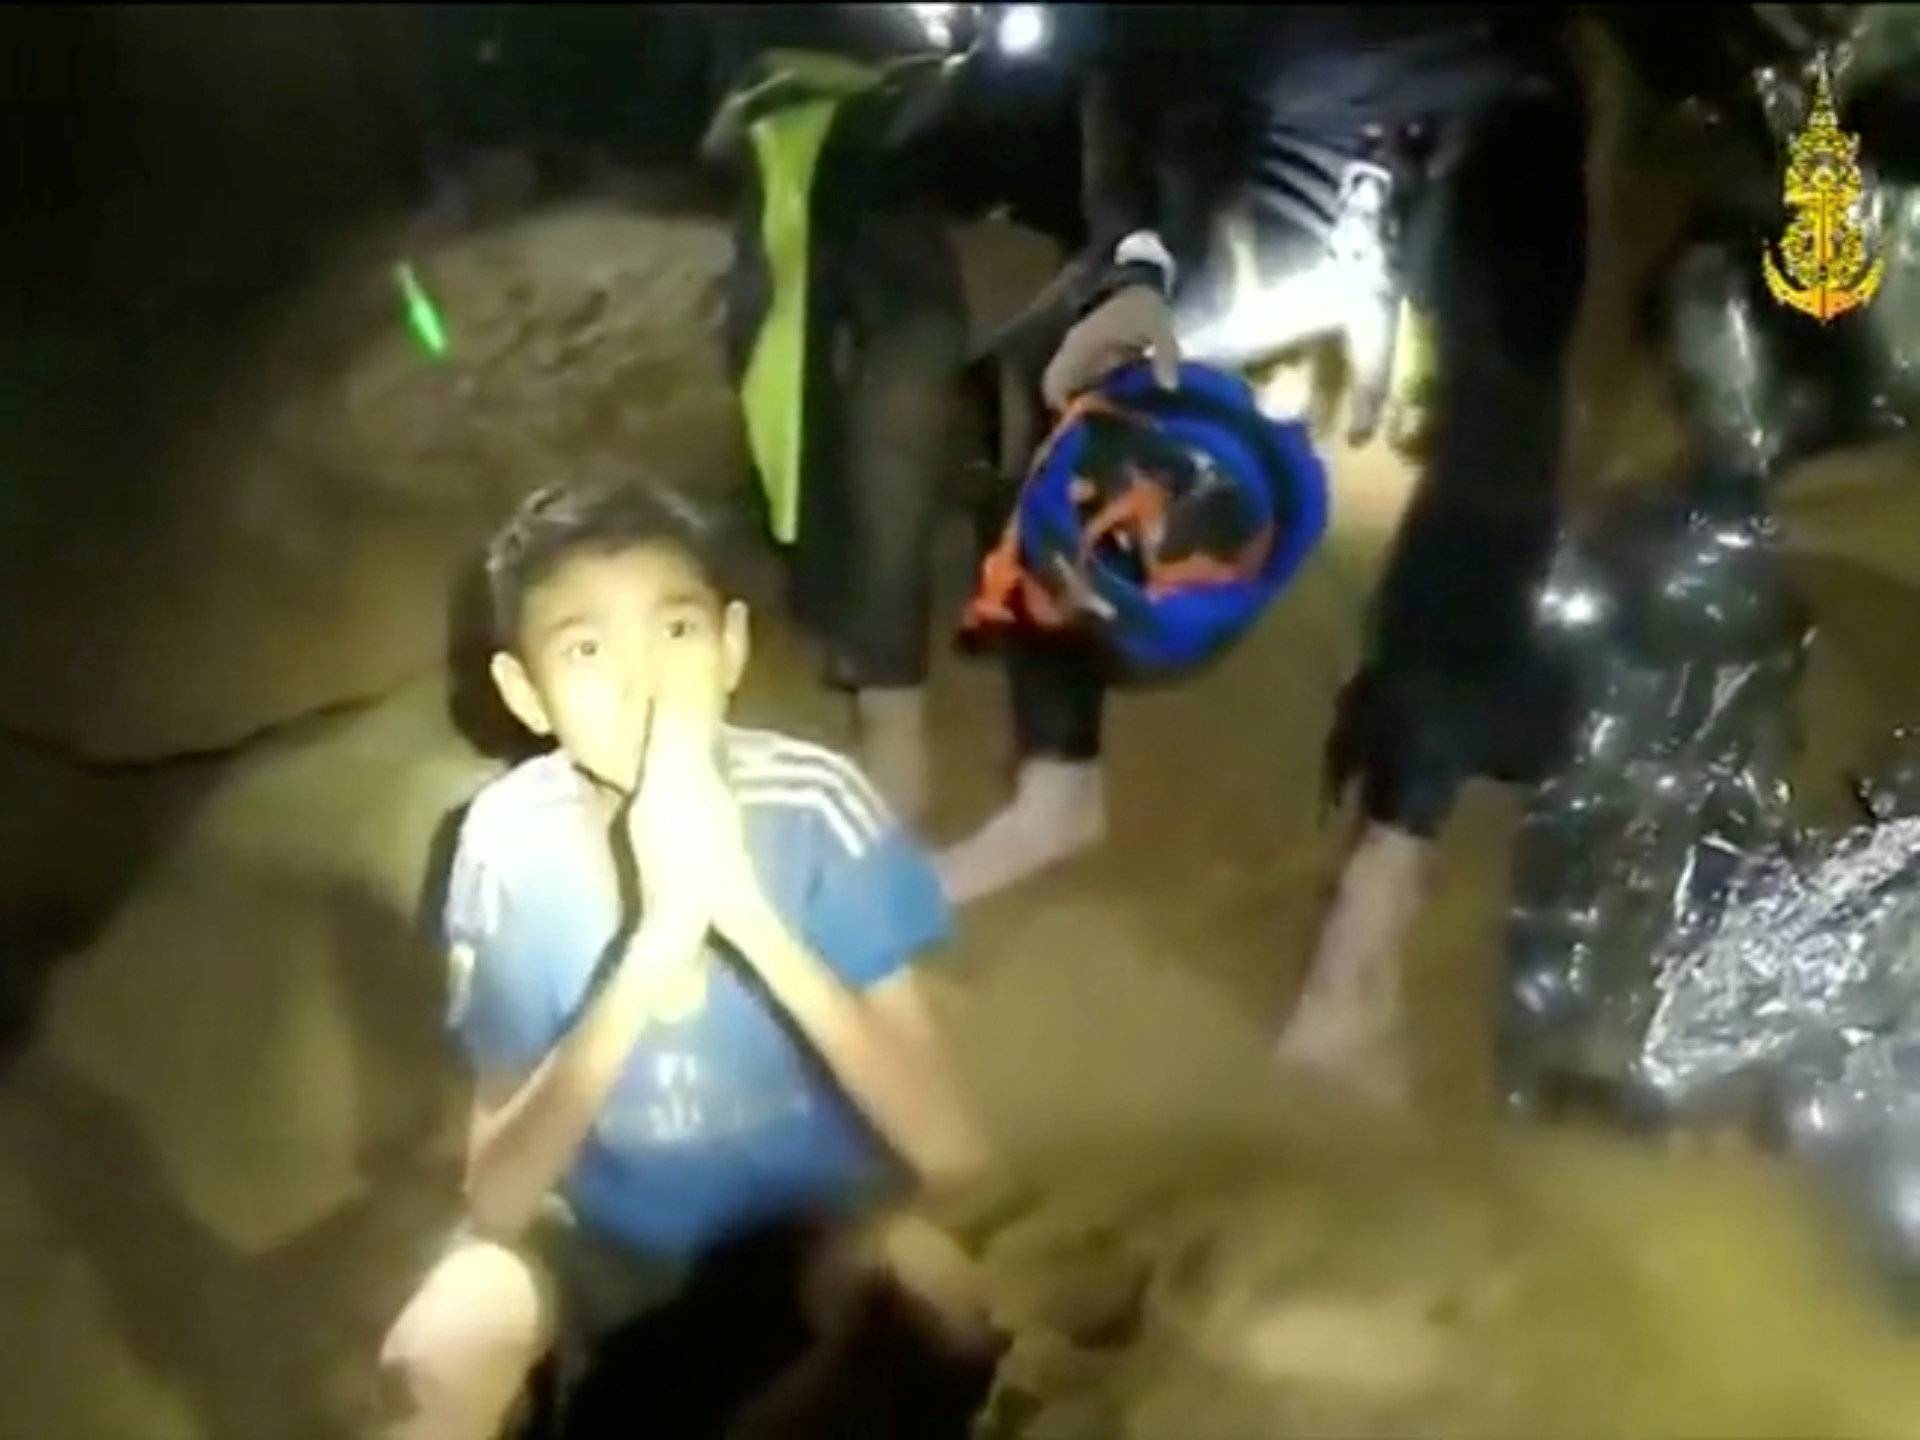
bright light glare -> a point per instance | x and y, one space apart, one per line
1573 607
1023 29
1267 320
936 20
1582 607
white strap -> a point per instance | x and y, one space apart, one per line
1143 247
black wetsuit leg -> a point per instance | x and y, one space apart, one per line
1455 685
863 567
884 352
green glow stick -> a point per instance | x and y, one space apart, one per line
422 317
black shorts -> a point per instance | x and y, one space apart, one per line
1457 683
886 339
1412 736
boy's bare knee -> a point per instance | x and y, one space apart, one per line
454 1362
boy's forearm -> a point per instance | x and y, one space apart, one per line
533 1138
904 1088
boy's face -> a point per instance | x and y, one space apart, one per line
604 637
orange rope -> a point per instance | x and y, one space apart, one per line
1001 577
1141 504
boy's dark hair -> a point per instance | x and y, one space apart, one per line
561 521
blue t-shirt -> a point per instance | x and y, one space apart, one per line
726 1118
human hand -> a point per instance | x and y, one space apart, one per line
1362 250
689 841
669 808
742 914
1413 391
737 901
679 818
1372 339
1130 323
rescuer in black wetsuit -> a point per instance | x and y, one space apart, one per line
858 435
1440 152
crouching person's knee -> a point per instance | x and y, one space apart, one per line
456 1360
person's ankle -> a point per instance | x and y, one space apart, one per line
1057 811
1068 795
1059 773
890 726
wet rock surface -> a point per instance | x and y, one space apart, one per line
295 532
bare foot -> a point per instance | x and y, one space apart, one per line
1363 1053
1059 810
1350 1022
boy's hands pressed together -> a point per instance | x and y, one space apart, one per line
679 819
688 840
697 875
662 819
742 914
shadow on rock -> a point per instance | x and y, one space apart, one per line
250 1340
74 843
410 1085
429 917
473 703
734 1356
278 1342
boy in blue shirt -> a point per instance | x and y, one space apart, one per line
682 967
